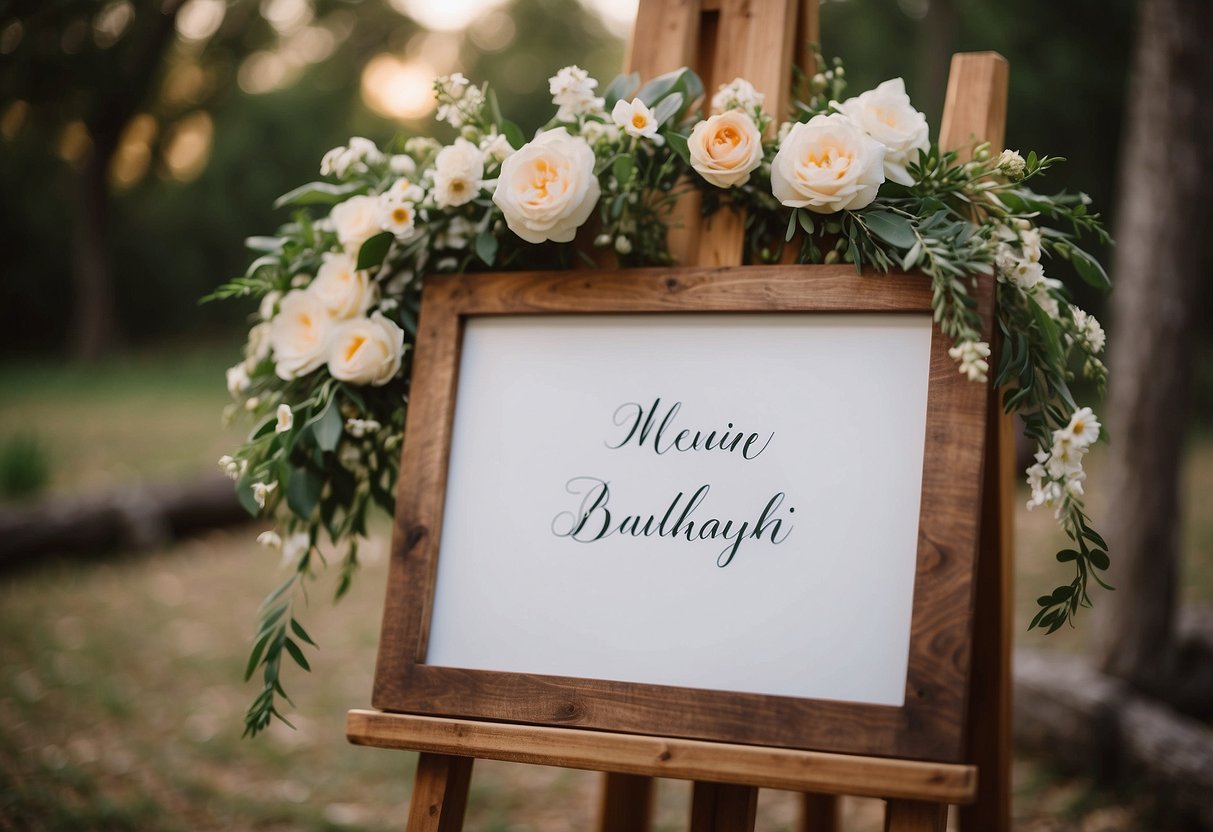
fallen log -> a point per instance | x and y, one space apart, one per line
1081 720
128 519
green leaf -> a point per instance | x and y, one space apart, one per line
255 656
328 427
805 218
791 226
894 229
303 491
620 87
320 193
374 250
1099 559
668 108
486 247
513 133
298 630
623 168
678 144
260 263
1066 555
244 493
297 654
1089 269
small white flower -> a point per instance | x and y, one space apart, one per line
270 539
623 245
258 347
404 190
286 419
1083 430
1048 495
635 118
572 91
230 467
328 163
972 355
1045 299
237 380
1074 483
294 547
359 428
458 171
1027 275
497 148
457 234
252 404
1029 243
1011 165
262 491
402 165
1065 459
400 218
365 149
1089 330
738 94
451 86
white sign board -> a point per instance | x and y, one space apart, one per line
728 502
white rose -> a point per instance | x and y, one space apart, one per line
366 350
826 165
356 220
887 115
300 334
547 189
726 148
344 291
268 304
458 171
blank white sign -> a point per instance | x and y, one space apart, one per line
774 555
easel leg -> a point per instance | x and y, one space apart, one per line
915 816
819 813
627 802
717 807
440 793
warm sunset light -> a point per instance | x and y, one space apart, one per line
397 88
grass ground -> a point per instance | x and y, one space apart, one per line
120 693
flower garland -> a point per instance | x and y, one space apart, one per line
857 180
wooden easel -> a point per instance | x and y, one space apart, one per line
756 39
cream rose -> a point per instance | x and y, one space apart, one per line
366 350
547 189
887 115
344 291
356 220
826 165
300 334
726 148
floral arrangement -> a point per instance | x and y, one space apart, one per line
326 368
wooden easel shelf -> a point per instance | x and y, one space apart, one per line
746 765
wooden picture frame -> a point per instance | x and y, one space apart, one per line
929 726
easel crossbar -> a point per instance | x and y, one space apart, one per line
680 759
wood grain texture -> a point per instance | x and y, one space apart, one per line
440 793
819 813
915 816
627 803
975 111
774 768
927 727
723 807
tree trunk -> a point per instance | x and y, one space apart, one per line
94 319
1162 224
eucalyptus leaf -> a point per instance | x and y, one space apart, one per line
320 193
303 491
894 229
619 88
328 428
486 247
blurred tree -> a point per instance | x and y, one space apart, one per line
1162 235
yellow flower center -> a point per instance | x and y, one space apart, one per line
543 175
639 121
355 344
400 215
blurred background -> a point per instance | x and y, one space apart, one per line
142 140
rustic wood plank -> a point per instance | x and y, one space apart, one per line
975 112
627 803
720 807
666 757
440 793
819 813
915 816
927 727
